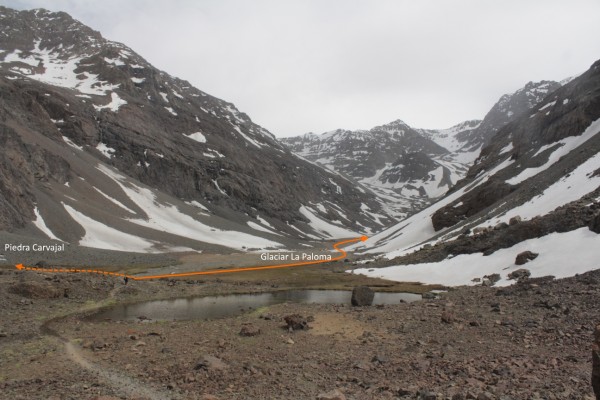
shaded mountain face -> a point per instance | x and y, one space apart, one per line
406 167
397 162
507 109
537 181
80 113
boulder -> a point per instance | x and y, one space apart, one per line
448 317
211 363
362 296
493 278
519 274
515 220
249 330
525 257
500 225
296 322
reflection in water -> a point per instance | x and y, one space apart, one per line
213 307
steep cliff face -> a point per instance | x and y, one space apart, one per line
72 102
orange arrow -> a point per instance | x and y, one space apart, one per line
342 252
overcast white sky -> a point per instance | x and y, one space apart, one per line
315 65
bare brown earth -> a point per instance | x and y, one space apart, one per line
529 341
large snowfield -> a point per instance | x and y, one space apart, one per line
560 254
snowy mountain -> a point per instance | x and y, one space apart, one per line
535 187
102 149
407 167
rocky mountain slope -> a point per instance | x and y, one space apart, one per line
534 188
409 167
101 148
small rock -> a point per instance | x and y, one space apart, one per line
362 296
515 220
98 345
429 296
448 317
595 224
249 330
296 322
493 278
501 225
211 363
525 257
333 395
519 274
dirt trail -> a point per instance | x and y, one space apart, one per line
122 383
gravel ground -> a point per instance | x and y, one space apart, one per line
528 341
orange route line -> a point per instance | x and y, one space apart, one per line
342 252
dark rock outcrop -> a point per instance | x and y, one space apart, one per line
362 296
519 274
525 257
249 330
470 204
595 224
296 322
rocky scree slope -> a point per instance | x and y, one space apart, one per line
92 135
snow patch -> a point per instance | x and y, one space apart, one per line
41 225
555 250
101 236
115 103
104 149
197 136
325 228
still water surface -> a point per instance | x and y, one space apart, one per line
212 307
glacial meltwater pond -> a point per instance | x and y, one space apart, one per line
212 307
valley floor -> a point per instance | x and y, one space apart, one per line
527 341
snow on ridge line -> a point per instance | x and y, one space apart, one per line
555 258
58 72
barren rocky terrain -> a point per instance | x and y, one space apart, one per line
531 340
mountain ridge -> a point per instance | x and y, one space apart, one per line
102 105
